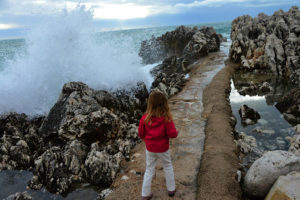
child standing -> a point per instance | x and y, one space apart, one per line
155 128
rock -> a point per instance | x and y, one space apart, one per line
78 100
104 194
99 125
169 44
253 89
265 88
246 143
19 141
59 168
101 167
286 187
295 144
268 43
203 41
289 104
297 128
20 196
239 175
169 84
265 171
124 178
248 115
263 131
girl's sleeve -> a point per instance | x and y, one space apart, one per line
142 128
171 130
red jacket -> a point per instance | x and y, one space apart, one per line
156 135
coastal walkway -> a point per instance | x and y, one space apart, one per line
186 149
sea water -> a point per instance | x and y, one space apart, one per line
68 48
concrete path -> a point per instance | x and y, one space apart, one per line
186 149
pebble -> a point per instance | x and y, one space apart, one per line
124 178
239 175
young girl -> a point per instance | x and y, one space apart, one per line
155 128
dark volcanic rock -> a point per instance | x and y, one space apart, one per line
268 43
248 115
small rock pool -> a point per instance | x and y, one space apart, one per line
12 181
271 131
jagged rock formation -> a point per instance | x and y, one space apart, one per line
268 43
191 43
170 43
83 139
179 49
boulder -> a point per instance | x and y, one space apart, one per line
101 167
246 143
19 196
295 144
286 187
248 115
289 104
203 41
265 171
77 102
101 125
58 168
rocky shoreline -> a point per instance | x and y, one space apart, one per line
269 45
88 132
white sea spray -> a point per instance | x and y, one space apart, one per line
67 48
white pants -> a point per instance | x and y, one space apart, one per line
151 159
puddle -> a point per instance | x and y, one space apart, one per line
272 130
12 181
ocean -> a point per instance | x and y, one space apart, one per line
68 48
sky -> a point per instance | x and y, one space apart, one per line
18 16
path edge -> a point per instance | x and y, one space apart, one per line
219 163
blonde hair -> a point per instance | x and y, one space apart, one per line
158 106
